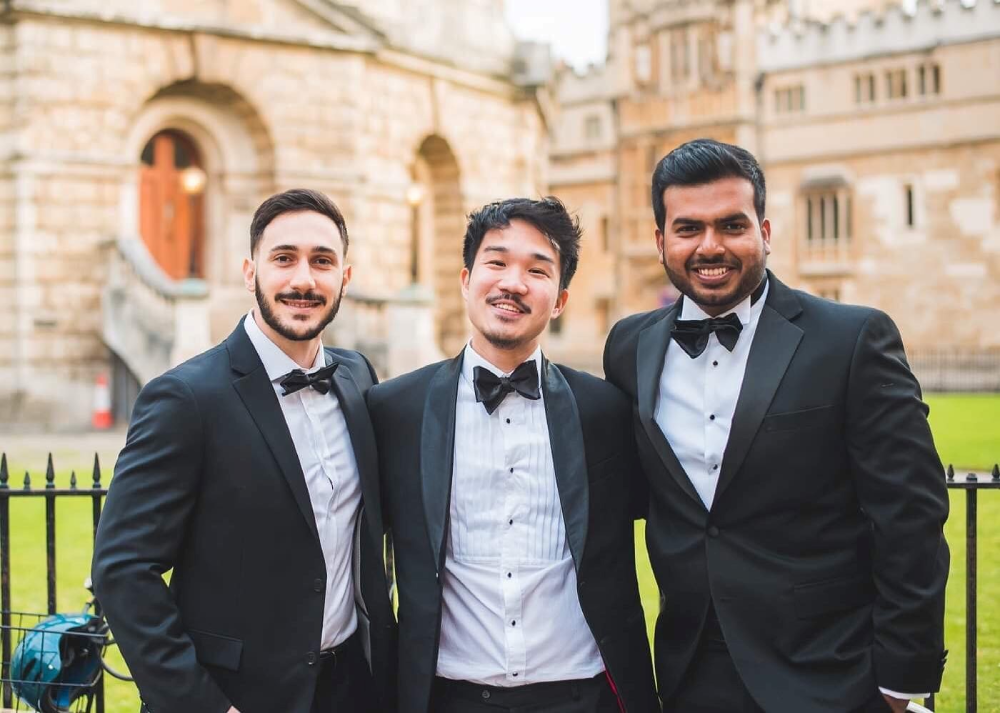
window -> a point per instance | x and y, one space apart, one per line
864 88
592 127
680 60
895 84
790 99
830 293
605 234
928 79
828 217
643 64
908 199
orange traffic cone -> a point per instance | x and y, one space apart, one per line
102 404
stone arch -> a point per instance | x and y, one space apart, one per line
439 226
237 155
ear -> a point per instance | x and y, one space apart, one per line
659 245
560 304
765 233
249 273
347 279
464 275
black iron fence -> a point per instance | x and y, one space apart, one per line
971 483
949 370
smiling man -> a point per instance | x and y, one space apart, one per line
245 472
506 481
796 501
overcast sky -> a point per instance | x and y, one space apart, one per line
576 29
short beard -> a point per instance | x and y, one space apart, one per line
504 343
751 279
272 321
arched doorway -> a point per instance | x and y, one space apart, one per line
171 203
439 226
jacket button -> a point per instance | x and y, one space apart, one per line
713 531
486 695
318 585
311 658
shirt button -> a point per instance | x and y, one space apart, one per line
510 522
715 363
515 674
508 420
715 467
713 531
311 658
712 417
511 470
318 585
513 622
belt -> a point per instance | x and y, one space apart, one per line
543 693
330 656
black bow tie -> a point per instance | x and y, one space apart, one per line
692 335
491 389
297 379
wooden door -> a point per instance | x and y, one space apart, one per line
170 218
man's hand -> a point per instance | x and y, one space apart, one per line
898 705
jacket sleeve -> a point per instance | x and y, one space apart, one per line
901 487
141 532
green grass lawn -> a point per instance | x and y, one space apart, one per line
966 431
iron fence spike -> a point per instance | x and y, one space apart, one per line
97 472
72 480
50 474
970 478
951 472
27 480
3 471
996 471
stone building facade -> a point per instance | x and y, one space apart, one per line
136 139
879 133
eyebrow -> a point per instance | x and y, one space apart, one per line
732 217
541 257
295 248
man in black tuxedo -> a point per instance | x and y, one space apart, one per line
244 474
506 482
796 501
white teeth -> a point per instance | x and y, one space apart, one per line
506 308
713 271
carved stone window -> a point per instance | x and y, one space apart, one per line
827 210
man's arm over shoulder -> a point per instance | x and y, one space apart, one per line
901 486
142 528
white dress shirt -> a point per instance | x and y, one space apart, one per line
697 397
323 445
697 401
510 612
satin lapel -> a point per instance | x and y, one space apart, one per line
258 396
651 350
437 450
773 346
352 403
568 457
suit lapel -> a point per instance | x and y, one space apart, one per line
258 396
437 450
774 344
568 457
352 403
650 353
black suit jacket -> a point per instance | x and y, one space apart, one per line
591 439
209 486
823 552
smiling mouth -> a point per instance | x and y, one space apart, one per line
505 304
300 304
712 271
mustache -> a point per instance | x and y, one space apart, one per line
508 297
301 297
719 262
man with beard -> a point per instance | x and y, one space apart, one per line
505 478
796 501
249 473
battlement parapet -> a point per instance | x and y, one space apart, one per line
931 23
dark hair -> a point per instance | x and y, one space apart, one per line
294 201
704 161
548 215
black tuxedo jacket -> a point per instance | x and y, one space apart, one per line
209 486
823 552
591 439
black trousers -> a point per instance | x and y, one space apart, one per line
345 683
588 695
713 685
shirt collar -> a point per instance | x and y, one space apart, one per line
744 310
277 364
471 359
